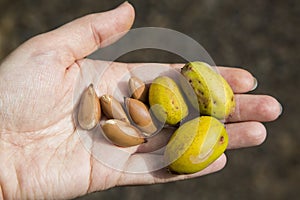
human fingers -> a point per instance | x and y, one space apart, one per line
79 38
250 107
240 80
164 176
245 134
242 134
103 177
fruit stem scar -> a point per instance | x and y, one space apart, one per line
221 139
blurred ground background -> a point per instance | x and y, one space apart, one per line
261 36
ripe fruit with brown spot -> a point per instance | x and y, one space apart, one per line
166 100
195 145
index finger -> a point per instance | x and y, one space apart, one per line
240 80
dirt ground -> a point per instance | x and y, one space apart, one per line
260 36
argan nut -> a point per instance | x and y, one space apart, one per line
89 112
121 133
140 115
138 89
112 108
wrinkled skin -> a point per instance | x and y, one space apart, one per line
41 155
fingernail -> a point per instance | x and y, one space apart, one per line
255 83
280 109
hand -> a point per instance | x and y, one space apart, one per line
41 153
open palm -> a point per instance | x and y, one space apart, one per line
41 154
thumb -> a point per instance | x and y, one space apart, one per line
82 36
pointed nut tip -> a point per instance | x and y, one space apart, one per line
106 98
110 121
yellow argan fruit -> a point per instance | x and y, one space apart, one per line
166 100
195 145
214 96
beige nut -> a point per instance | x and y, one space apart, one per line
138 89
139 114
89 112
112 108
121 133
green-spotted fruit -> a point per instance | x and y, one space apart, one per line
166 100
195 145
214 96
